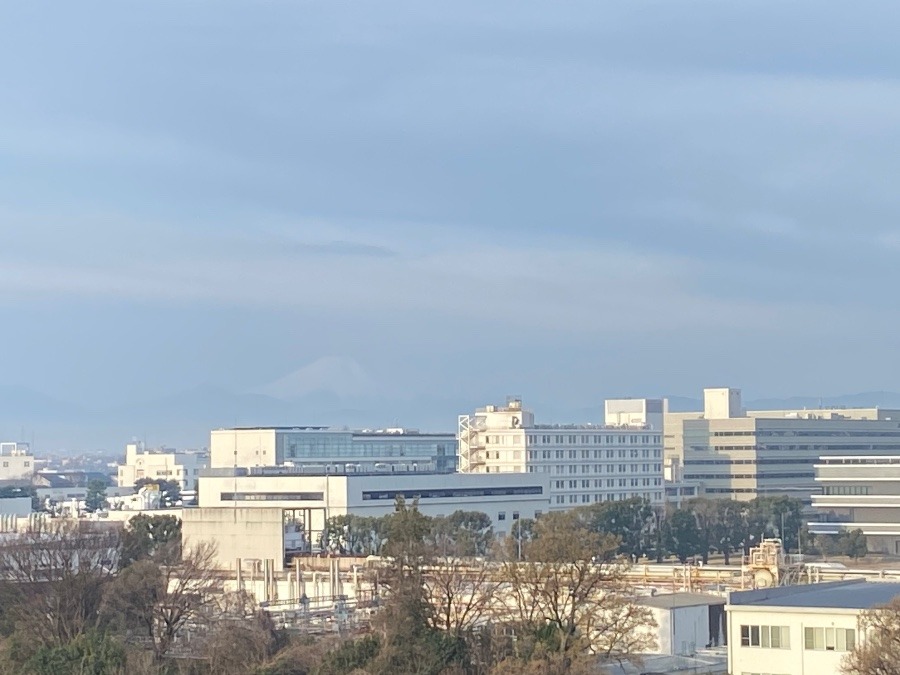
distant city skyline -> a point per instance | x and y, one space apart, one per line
447 202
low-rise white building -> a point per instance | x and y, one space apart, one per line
16 463
180 467
799 630
686 623
293 505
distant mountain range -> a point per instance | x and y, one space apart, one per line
185 418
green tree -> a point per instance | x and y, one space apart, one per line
631 520
778 517
463 533
682 537
90 653
156 537
169 490
354 535
95 500
706 517
728 526
855 544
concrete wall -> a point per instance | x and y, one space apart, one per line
244 447
237 533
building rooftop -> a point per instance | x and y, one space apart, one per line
854 594
393 431
675 600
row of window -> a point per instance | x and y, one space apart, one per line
847 489
570 439
610 482
594 498
814 639
447 493
634 453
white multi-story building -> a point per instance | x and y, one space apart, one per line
586 463
743 454
16 463
792 630
325 446
180 467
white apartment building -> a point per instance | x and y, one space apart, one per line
860 493
326 446
797 630
288 506
585 463
16 462
181 467
743 454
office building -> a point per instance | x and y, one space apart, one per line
324 446
16 463
180 467
809 628
585 463
277 512
860 493
743 454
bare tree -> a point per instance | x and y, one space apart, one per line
877 649
570 589
55 574
161 601
463 592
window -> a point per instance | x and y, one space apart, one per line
829 639
501 515
767 637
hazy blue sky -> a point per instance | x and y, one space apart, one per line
577 198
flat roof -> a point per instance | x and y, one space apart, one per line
379 433
854 594
674 600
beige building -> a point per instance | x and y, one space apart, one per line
742 454
181 467
585 463
16 463
860 493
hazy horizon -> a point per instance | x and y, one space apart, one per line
445 201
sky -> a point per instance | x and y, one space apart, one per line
558 200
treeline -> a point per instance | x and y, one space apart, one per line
700 528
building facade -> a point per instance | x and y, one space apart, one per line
295 504
860 493
740 454
585 464
791 630
16 463
181 467
324 446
